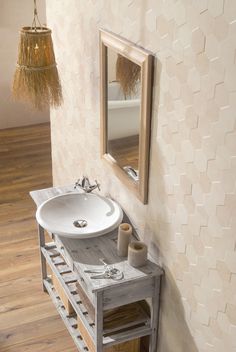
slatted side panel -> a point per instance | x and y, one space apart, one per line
69 321
67 281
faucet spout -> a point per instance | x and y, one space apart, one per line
85 185
85 182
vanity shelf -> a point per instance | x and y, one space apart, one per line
67 259
69 321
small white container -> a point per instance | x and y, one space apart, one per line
137 254
124 238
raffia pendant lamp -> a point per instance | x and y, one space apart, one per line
128 74
36 78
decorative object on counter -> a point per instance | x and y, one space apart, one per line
124 237
36 78
137 254
127 74
106 272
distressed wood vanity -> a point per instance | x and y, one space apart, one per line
86 304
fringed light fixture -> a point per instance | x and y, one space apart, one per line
128 74
36 78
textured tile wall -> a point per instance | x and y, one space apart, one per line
189 222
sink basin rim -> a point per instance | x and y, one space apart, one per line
80 234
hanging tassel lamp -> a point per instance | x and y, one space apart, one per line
128 74
36 78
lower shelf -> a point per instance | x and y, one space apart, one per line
114 335
69 321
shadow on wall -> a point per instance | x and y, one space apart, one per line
174 331
174 334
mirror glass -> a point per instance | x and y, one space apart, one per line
123 112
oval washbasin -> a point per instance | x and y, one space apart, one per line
79 215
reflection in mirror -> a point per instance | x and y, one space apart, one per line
123 112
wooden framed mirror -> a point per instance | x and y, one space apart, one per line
126 91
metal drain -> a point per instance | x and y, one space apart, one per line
80 223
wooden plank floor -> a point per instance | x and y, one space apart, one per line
28 320
125 151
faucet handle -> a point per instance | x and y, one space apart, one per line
85 185
98 185
76 183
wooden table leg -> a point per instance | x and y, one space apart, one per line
43 260
99 322
155 315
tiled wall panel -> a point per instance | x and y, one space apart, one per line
190 220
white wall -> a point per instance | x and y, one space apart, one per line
15 14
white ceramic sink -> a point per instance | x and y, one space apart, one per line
79 215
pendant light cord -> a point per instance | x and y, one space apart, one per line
36 18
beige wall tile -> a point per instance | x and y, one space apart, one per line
216 7
189 222
198 40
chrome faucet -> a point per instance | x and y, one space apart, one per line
85 185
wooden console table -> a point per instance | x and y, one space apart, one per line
67 259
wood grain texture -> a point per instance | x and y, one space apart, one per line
99 322
125 151
29 321
63 296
